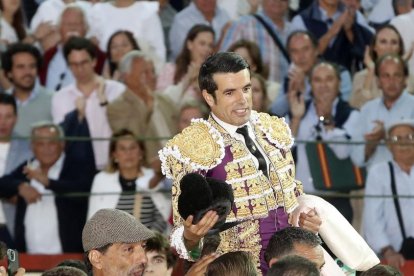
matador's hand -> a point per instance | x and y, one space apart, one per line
310 221
193 233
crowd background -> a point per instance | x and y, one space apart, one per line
123 75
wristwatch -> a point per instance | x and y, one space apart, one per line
326 121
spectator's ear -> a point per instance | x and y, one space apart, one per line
95 257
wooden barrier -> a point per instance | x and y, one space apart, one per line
407 269
43 262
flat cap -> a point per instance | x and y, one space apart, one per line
109 226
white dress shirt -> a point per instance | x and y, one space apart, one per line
8 33
50 10
4 151
231 129
41 218
379 11
141 19
372 111
404 24
381 227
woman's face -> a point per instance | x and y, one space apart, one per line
244 53
257 95
120 45
11 5
387 42
201 47
127 153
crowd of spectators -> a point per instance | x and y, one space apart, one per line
92 90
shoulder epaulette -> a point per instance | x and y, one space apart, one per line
276 130
198 147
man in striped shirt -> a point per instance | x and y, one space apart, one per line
248 27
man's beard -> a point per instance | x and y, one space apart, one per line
27 88
138 270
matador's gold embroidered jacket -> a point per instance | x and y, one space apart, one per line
205 147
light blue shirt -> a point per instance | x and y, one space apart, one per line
186 19
381 227
298 24
280 105
307 131
58 72
32 95
249 28
375 110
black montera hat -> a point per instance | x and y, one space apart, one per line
201 194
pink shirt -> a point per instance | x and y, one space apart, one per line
63 102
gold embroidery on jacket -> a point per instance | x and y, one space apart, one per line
201 148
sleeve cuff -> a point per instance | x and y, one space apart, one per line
177 241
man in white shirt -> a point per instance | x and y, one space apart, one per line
49 11
47 223
90 95
44 22
55 73
395 103
381 225
139 17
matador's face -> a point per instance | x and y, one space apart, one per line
233 98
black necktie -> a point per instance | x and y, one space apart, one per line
253 149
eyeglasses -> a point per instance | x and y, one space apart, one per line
398 138
79 64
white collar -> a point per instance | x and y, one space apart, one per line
231 129
53 173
